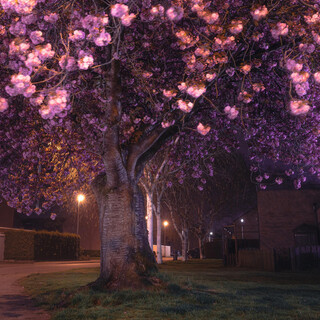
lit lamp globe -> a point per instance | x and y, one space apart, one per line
80 197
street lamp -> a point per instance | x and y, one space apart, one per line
242 221
165 224
80 198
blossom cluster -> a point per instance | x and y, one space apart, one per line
121 11
55 105
21 84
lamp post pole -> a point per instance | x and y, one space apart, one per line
165 224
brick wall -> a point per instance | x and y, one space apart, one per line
6 215
281 211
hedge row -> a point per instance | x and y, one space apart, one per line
40 245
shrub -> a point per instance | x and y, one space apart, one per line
19 244
40 245
56 246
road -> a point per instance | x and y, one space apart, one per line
14 304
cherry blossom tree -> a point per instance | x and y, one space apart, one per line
91 90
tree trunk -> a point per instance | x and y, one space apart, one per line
159 251
150 220
200 247
126 257
184 240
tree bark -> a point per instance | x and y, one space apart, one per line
200 247
150 219
159 251
126 257
184 242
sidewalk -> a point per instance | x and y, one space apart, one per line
14 304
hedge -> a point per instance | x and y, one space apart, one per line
40 245
18 245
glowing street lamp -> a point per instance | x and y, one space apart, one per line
242 222
80 198
165 224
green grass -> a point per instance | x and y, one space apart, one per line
201 290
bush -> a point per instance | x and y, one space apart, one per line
19 244
56 246
40 245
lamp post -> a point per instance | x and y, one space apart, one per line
165 224
242 222
80 198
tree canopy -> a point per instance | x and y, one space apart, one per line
94 88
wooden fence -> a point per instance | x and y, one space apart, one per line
255 258
296 259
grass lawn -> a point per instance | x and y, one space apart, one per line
201 290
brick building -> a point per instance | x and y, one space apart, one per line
283 219
288 218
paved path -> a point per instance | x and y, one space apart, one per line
14 304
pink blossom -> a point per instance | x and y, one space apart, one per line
231 112
68 64
281 29
118 10
175 13
245 68
18 29
167 124
85 60
317 77
18 48
258 87
77 35
210 76
19 6
45 52
182 86
236 26
103 39
316 37
56 103
279 180
245 97
3 104
21 85
147 74
202 129
29 19
185 106
299 77
203 52
126 19
157 10
301 89
36 37
298 107
37 101
259 178
196 90
51 18
169 93
293 66
53 216
32 60
315 18
259 12
210 18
